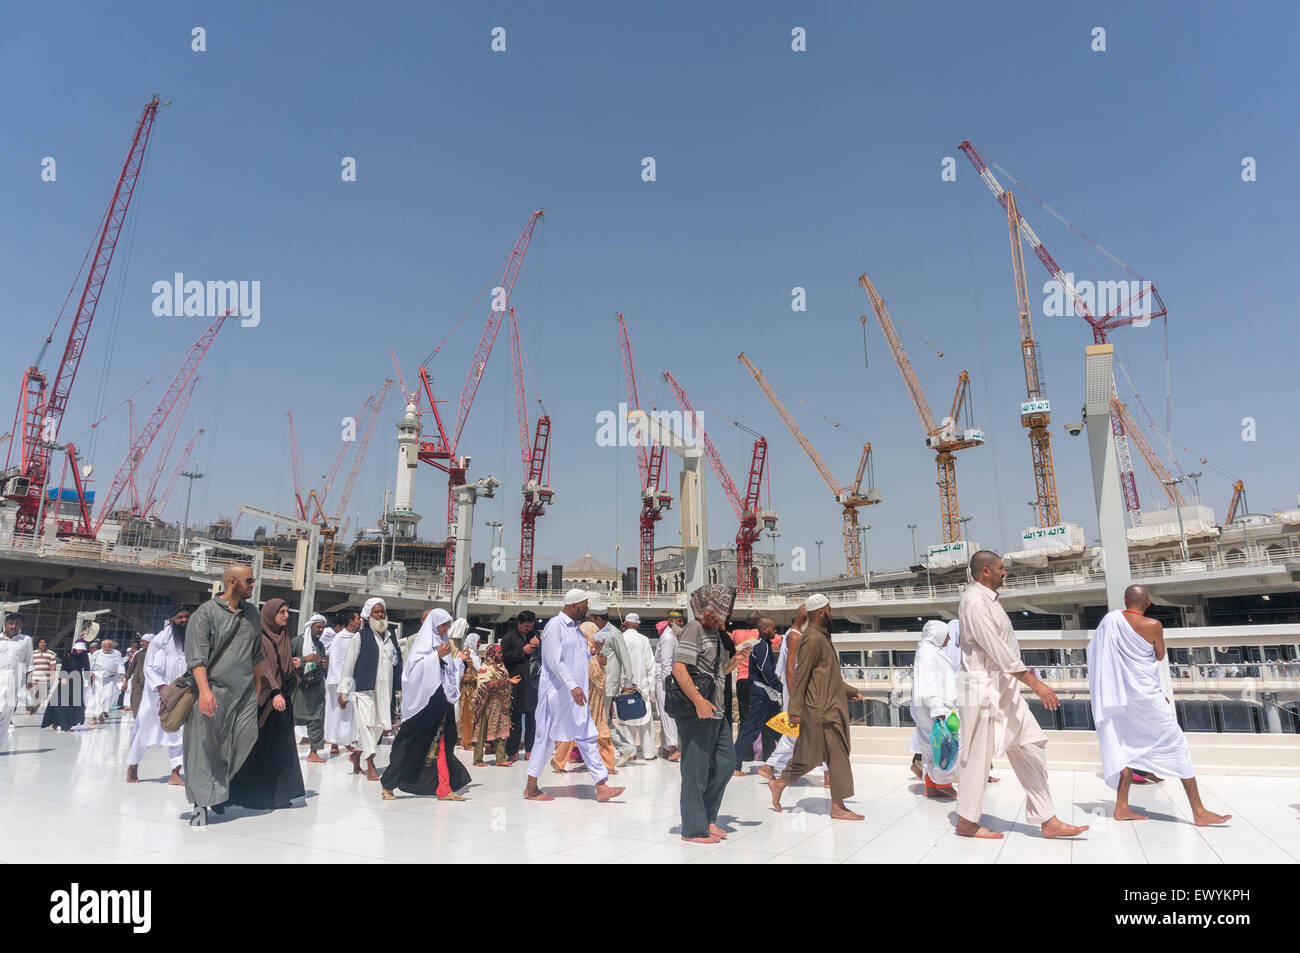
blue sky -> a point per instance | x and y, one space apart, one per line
775 169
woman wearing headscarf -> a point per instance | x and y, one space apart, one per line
468 687
491 706
67 707
599 713
271 776
934 696
423 759
705 649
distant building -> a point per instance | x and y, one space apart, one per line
589 573
670 569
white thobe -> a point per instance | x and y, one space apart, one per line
15 665
994 717
565 657
340 724
642 675
1136 724
107 667
374 708
164 662
664 653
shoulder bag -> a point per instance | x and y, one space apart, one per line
176 699
676 704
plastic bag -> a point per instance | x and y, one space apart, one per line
943 743
780 722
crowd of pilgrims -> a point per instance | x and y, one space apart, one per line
583 689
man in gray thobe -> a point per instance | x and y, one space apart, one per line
617 671
222 727
309 696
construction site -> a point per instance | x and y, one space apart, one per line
71 552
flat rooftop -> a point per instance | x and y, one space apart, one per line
63 800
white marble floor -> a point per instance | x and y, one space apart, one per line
63 799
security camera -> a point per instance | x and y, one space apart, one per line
1074 428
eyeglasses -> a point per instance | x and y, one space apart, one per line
249 581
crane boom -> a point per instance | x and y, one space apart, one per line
1238 499
165 406
178 416
368 428
181 461
41 411
900 357
1120 412
295 469
720 471
795 431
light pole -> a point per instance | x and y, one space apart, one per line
866 559
912 527
495 526
1196 482
189 490
776 582
1182 533
819 556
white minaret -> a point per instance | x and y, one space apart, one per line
403 515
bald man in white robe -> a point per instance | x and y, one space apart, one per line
995 719
1136 724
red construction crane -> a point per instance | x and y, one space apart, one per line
367 429
40 413
442 452
746 509
1101 327
170 398
156 509
537 495
651 461
143 507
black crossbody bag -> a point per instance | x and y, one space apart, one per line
676 704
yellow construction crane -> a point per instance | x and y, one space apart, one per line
1238 499
1036 411
945 436
331 529
850 498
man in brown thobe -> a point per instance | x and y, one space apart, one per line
819 705
135 676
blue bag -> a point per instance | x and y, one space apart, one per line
943 745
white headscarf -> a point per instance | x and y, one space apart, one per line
954 644
934 681
370 604
471 644
423 672
308 643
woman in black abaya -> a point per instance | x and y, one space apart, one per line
67 707
271 776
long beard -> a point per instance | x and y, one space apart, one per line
676 627
379 626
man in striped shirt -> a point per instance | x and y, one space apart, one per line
45 665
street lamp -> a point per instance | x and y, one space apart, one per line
819 556
1181 531
1196 483
185 523
496 526
866 561
912 527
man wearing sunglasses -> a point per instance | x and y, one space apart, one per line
223 642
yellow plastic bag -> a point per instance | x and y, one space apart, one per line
781 722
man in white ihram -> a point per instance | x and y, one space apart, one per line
562 705
1136 725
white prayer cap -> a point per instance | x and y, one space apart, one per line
370 604
599 606
316 617
632 619
79 644
816 601
574 596
458 630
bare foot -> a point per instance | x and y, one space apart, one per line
480 764
371 773
305 741
175 778
718 832
559 770
452 796
606 793
940 791
355 758
776 787
1058 828
916 769
993 780
702 840
766 773
967 828
844 814
1204 818
826 780
334 749
536 794
675 756
1128 814
387 795
314 758
132 774
737 774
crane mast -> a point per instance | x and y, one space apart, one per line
182 460
532 454
944 437
849 498
40 413
367 430
650 461
1036 411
